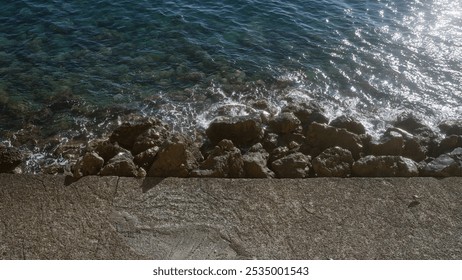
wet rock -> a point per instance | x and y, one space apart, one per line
446 165
241 131
333 162
145 159
255 163
176 158
224 161
321 136
451 127
121 165
409 122
285 123
391 144
10 158
152 137
348 123
127 133
90 164
449 143
307 113
413 150
296 165
385 166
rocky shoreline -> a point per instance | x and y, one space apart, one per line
298 142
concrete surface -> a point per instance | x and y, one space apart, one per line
47 217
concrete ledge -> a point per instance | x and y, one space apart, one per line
42 217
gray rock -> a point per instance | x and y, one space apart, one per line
413 150
385 166
10 158
333 162
446 165
285 123
321 136
224 161
241 131
348 123
121 165
255 163
90 164
296 165
176 158
451 127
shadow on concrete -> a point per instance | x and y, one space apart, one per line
150 182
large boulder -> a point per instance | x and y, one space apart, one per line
322 136
255 163
153 137
409 122
445 165
146 158
224 161
391 144
295 165
285 123
451 127
90 164
121 165
10 158
307 113
242 131
385 166
348 123
333 162
127 133
105 149
449 143
176 158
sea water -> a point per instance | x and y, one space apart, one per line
73 67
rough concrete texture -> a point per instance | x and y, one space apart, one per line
45 217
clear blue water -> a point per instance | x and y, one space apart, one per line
73 67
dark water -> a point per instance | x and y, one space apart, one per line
72 67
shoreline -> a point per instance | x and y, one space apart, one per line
298 142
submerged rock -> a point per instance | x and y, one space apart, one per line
446 165
385 166
241 131
333 162
10 158
296 165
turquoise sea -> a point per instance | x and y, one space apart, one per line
71 68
